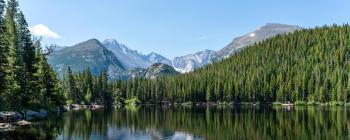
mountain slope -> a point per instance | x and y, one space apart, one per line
131 58
264 32
90 53
154 71
159 69
190 62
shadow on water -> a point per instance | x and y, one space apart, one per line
155 122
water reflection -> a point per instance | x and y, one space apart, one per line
193 123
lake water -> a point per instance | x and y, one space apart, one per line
177 123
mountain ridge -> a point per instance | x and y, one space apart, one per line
127 59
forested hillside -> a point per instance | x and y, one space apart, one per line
306 65
26 79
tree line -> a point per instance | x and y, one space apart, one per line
306 65
86 88
26 79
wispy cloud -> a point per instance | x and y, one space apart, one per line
43 31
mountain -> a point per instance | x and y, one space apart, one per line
90 53
262 33
131 58
159 69
154 71
124 61
157 58
190 62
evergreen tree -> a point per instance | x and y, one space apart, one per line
30 82
3 56
15 69
72 93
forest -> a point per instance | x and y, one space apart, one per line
310 65
26 79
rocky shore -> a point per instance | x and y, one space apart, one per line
11 119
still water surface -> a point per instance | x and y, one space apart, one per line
177 123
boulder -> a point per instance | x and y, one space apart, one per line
96 106
10 116
23 122
31 115
75 107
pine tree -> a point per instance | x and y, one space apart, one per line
88 96
30 82
71 85
3 56
15 70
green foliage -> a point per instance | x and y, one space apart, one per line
88 96
300 103
335 103
312 103
132 101
276 103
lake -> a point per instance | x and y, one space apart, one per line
177 123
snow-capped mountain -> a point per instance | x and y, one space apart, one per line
132 58
189 62
157 58
132 62
262 33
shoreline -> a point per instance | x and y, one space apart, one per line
17 119
10 120
205 104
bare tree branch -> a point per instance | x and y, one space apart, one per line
50 49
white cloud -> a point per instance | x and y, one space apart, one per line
43 31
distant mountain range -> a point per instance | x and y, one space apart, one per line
123 62
190 62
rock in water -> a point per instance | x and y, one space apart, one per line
31 115
10 117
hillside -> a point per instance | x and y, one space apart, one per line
89 54
306 65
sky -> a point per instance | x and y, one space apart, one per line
172 27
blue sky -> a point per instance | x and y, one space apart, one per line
173 27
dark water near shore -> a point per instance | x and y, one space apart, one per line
178 123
